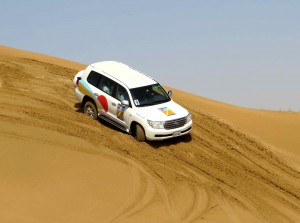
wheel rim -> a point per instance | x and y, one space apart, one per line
90 112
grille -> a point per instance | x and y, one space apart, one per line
176 123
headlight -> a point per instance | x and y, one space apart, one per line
189 118
156 124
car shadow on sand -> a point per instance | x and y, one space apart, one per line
172 141
78 107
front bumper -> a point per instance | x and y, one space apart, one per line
161 134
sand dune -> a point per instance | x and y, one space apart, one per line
57 165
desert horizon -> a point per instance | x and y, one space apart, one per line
57 165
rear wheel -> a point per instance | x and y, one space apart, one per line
91 110
139 133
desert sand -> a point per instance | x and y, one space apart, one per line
58 165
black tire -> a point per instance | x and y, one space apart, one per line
139 133
90 109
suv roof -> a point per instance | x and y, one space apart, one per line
122 72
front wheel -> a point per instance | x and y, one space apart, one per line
139 133
91 110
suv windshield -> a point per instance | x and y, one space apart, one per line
149 95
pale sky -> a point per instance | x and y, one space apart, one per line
245 53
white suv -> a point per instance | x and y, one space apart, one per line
130 100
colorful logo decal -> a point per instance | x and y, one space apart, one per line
167 111
103 101
100 100
120 111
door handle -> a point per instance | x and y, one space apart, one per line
113 103
96 94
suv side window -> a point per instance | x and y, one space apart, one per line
108 86
121 93
94 78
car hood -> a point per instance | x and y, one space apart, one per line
162 112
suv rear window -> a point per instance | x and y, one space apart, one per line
94 78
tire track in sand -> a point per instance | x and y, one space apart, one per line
246 167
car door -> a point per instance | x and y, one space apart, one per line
106 90
116 110
113 111
121 111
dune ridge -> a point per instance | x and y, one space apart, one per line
229 170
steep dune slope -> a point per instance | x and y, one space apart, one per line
280 130
218 174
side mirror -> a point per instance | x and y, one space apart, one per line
125 103
170 93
